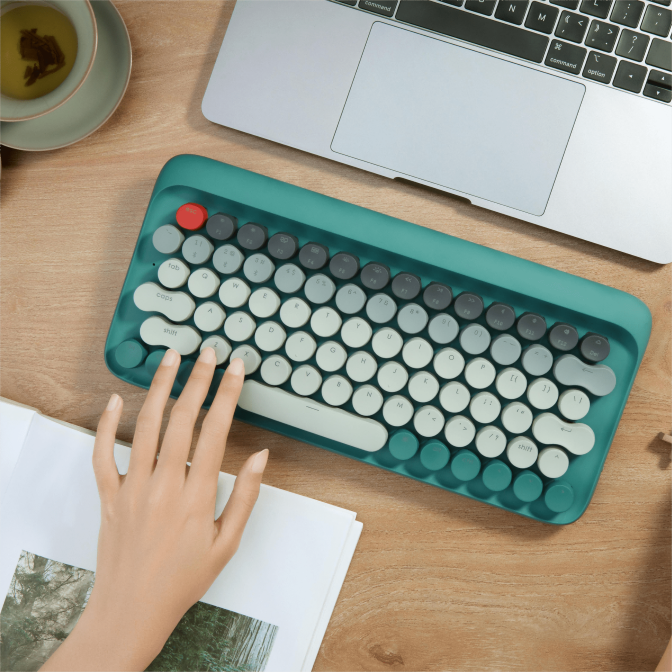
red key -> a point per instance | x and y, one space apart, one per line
192 216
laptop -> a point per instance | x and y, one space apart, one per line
557 113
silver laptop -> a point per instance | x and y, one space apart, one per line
555 113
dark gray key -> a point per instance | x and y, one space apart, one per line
511 11
406 286
500 316
468 306
437 296
486 7
657 21
660 54
657 91
375 276
382 7
283 245
541 17
531 326
563 336
313 256
667 3
567 4
627 12
344 266
597 8
602 36
572 27
632 45
221 226
565 57
595 348
252 236
630 76
599 67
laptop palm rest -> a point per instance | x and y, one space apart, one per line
457 118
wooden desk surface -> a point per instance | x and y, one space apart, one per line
438 582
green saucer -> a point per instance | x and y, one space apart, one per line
96 100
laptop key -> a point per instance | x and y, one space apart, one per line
457 3
486 7
627 12
565 57
599 67
660 54
662 79
512 11
657 92
657 21
632 45
597 8
382 7
572 26
542 17
602 36
667 3
630 77
567 4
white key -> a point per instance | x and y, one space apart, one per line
417 353
428 421
485 407
361 366
443 328
331 356
209 316
522 452
552 462
387 343
306 380
258 268
537 360
454 397
300 346
336 390
264 302
505 349
356 332
490 441
270 336
350 299
412 318
203 283
220 345
234 293
542 393
250 356
516 417
239 326
459 431
381 308
180 337
289 278
325 322
295 313
311 416
173 273
574 404
367 400
197 249
480 373
511 383
448 363
576 437
392 377
474 339
319 288
276 370
598 378
227 259
397 411
423 387
176 306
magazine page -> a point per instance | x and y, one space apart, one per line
14 422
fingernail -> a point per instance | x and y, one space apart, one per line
207 355
237 367
259 462
113 403
169 358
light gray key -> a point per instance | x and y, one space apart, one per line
350 299
227 259
319 288
597 378
537 360
505 349
168 239
258 268
197 249
412 318
381 308
443 328
289 278
474 339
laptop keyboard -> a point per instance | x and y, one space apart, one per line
622 43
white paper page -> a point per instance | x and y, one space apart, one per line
282 573
14 422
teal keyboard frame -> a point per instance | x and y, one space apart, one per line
559 296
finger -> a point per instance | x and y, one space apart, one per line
148 424
180 431
231 524
104 466
209 453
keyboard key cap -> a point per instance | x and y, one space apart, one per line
448 363
527 486
516 417
572 27
542 394
180 337
443 328
203 283
131 354
331 356
485 407
417 353
289 278
375 276
191 216
270 336
221 347
264 302
564 336
660 78
657 92
305 380
336 390
657 21
500 316
361 366
465 466
275 370
173 273
221 227
627 12
250 356
667 3
428 421
392 377
283 246
294 313
531 326
387 343
434 455
480 373
197 249
567 4
559 496
594 347
574 404
576 437
381 308
319 289
459 431
565 57
490 442
406 286
437 296
356 332
239 326
474 339
300 346
227 259
367 400
473 28
632 45
598 379
350 299
468 306
601 36
597 8
397 411
382 7
412 318
454 397
511 383
537 360
234 293
660 54
258 268
209 316
486 7
176 306
313 256
403 445
252 236
344 266
552 462
522 453
167 239
541 17
505 349
630 77
326 322
511 11
423 387
310 416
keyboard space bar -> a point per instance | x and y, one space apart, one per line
306 414
464 25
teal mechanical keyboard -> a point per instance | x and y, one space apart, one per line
406 349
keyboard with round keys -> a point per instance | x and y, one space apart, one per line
404 348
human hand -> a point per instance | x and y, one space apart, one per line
159 547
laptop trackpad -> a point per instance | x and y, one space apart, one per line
458 118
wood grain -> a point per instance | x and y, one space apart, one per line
438 581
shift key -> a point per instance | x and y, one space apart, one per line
565 57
